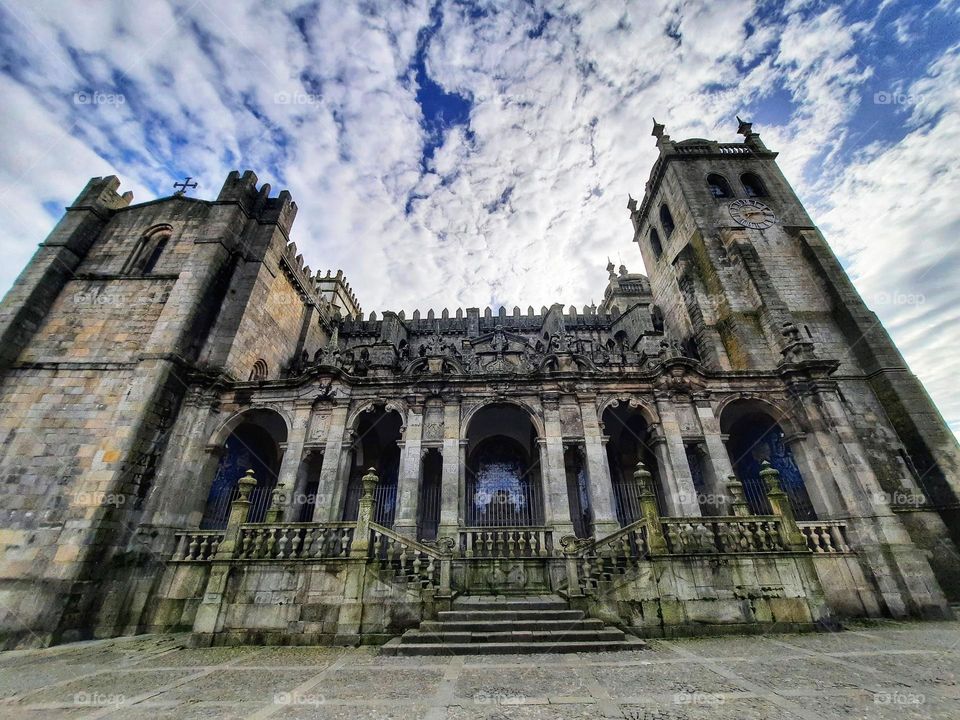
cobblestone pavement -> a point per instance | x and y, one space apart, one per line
881 670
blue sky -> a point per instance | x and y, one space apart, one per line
454 154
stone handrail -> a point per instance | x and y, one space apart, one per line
590 561
825 536
411 559
294 541
506 542
196 545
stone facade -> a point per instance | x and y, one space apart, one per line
731 443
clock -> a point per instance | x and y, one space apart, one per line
751 213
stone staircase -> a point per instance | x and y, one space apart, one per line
480 625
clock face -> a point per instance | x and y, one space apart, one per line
752 214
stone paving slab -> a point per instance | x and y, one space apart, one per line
906 671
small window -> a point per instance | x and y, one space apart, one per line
719 187
752 185
656 316
147 251
259 371
666 220
655 243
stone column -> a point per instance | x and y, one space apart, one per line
717 455
408 483
598 470
290 464
450 479
328 490
556 506
681 495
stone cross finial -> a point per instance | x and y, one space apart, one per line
744 128
658 129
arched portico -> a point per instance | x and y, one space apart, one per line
755 433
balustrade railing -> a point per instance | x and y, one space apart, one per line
411 560
519 542
589 562
196 545
825 536
294 541
758 533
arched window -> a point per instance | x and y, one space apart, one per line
666 220
719 187
655 243
259 371
752 185
147 251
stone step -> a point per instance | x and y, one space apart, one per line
475 615
503 625
506 636
471 604
396 647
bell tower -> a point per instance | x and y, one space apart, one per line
743 274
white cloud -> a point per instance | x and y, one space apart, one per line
526 207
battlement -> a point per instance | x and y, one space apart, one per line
257 202
101 193
336 290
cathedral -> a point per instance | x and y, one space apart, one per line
202 434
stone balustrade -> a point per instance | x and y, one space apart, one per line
294 541
707 535
589 562
196 545
411 560
494 542
825 536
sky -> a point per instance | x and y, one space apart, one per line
466 154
